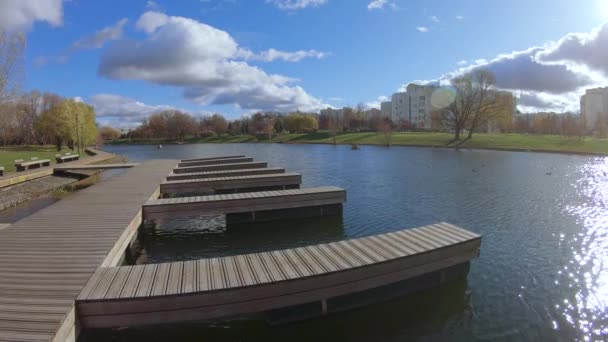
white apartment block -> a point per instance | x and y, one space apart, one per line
594 108
387 109
413 106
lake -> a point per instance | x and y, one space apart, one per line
543 269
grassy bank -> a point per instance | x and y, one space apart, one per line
551 143
8 154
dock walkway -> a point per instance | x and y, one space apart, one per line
48 257
233 183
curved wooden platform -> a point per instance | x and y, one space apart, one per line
252 283
94 167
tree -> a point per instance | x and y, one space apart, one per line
300 123
179 125
109 133
12 45
57 123
474 103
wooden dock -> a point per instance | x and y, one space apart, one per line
213 158
220 167
252 283
233 184
214 162
48 257
64 167
249 202
225 173
59 268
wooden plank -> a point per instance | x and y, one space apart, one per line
215 162
213 158
225 173
218 167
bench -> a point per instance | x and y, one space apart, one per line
66 158
22 165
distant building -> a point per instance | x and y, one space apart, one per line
413 107
387 109
594 109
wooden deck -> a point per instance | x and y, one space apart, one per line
220 167
251 283
94 167
225 173
233 184
214 161
244 202
213 158
48 257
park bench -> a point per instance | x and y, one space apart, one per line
33 163
66 158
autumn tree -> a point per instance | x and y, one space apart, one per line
300 123
108 133
12 46
57 124
180 125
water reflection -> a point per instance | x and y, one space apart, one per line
204 237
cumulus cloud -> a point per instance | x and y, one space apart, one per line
99 38
375 104
118 110
462 62
273 54
21 14
551 77
292 5
376 4
422 29
205 62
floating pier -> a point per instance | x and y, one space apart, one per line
219 167
60 267
225 173
215 162
233 184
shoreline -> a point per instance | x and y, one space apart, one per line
278 140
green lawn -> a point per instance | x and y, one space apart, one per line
554 143
8 154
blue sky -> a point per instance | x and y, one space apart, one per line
238 56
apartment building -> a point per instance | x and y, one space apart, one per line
594 108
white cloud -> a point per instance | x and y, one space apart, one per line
99 38
422 29
375 103
376 4
21 14
292 5
551 77
121 111
205 62
151 5
434 18
459 17
462 62
271 55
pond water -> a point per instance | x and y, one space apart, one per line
543 269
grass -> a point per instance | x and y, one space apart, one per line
8 154
524 142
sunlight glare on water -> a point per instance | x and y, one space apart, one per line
587 272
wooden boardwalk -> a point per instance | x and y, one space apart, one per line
219 167
48 257
244 202
233 184
214 162
64 167
251 283
225 173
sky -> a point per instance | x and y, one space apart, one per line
132 58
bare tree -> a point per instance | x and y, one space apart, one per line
475 103
12 45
